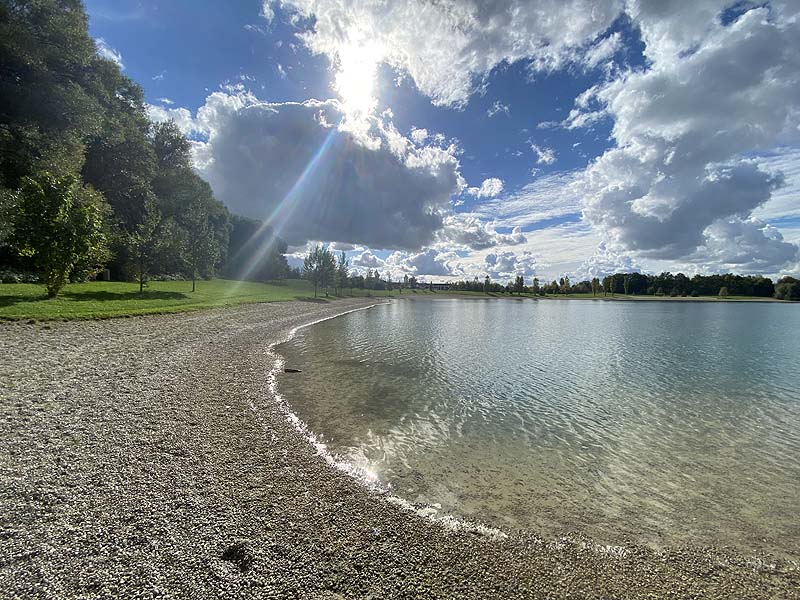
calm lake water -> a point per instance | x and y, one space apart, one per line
656 422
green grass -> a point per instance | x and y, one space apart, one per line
102 299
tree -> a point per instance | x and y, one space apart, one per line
145 241
566 285
487 284
519 284
318 267
723 292
342 273
47 61
536 288
59 224
201 248
595 286
626 283
788 288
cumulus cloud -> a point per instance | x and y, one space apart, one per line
298 166
679 184
509 264
367 260
267 12
445 47
419 135
183 117
544 155
109 53
433 262
489 188
606 261
467 231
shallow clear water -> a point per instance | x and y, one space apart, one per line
653 422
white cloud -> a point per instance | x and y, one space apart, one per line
267 12
680 184
166 101
602 51
445 47
497 108
433 262
367 260
109 53
605 261
548 197
182 117
508 264
419 135
299 166
785 201
490 188
544 156
467 231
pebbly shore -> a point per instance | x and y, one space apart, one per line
147 458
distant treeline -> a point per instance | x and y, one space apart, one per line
665 284
88 182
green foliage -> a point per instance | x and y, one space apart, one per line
342 272
519 284
723 292
48 104
59 224
788 288
319 267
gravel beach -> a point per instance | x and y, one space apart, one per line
146 458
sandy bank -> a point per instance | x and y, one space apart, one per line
145 458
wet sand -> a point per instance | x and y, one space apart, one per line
147 458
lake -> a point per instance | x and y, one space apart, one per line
660 423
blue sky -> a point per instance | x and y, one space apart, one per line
540 138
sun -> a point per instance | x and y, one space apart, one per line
357 69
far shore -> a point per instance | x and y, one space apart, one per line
148 456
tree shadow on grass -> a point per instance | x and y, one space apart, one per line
105 296
16 299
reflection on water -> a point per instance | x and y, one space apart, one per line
660 423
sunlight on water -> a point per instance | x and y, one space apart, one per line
658 423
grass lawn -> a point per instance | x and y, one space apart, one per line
101 299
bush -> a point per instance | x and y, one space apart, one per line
694 294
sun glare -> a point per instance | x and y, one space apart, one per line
355 79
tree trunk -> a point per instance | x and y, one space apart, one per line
194 278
